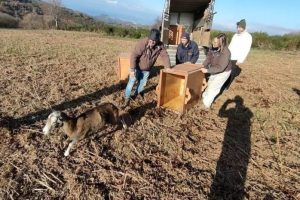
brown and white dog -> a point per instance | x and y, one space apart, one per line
89 121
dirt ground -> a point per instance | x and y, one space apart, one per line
246 147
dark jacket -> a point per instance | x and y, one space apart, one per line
187 54
144 57
217 62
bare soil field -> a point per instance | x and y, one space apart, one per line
246 147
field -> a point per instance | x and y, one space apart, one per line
246 147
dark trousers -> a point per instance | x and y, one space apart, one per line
235 72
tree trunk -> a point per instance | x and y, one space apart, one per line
56 23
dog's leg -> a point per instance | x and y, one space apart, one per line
67 152
123 123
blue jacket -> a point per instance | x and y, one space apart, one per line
187 54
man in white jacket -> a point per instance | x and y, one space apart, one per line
239 47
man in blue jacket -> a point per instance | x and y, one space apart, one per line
187 50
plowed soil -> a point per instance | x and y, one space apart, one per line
246 147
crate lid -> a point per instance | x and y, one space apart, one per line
185 68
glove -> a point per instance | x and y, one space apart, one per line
204 70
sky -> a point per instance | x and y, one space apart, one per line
276 17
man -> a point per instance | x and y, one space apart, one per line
142 60
239 47
187 51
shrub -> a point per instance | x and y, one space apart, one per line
7 21
262 40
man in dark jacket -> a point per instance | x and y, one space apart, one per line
187 51
142 60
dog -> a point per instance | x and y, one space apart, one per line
89 121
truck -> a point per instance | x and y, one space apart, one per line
192 16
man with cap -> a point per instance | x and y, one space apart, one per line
239 47
142 60
187 50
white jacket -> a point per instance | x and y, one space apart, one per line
240 46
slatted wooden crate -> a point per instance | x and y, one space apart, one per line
123 67
180 88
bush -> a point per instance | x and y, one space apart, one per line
292 42
228 34
7 21
262 40
109 30
129 32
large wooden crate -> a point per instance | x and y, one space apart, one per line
123 67
180 88
202 37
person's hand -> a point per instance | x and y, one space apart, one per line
168 69
132 74
204 70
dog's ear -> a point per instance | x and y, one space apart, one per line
63 116
60 120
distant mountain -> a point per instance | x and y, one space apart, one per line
117 21
111 20
36 14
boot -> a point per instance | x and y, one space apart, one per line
139 97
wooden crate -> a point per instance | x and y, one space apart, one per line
180 88
202 37
123 67
175 32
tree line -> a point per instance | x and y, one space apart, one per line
262 40
109 30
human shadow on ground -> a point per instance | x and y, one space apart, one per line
231 170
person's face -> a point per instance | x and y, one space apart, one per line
216 43
240 29
184 41
151 43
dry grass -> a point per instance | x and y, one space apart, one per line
251 151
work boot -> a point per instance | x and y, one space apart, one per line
139 97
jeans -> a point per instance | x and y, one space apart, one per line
214 85
141 77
